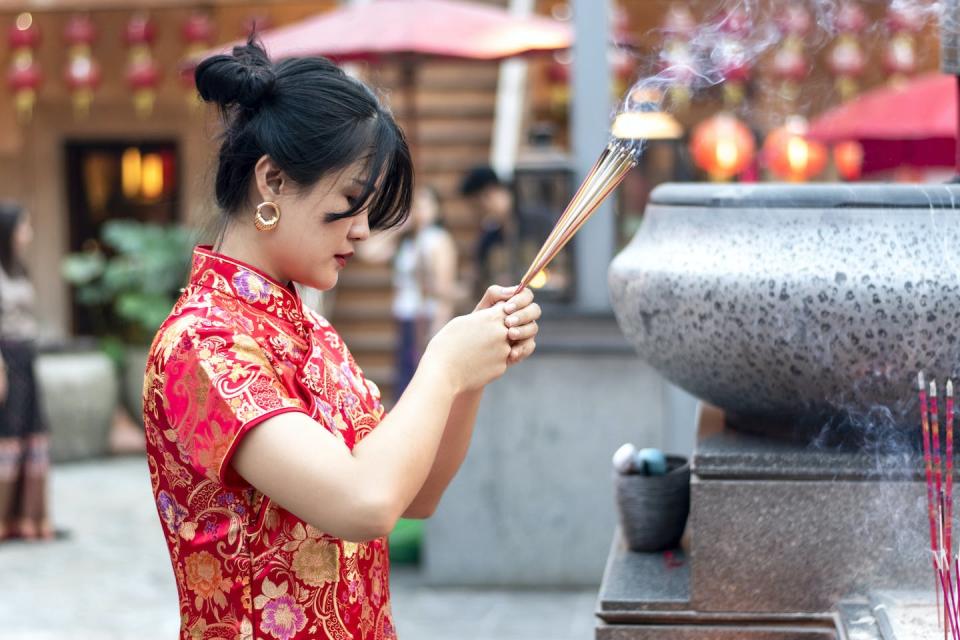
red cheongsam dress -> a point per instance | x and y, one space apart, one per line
237 349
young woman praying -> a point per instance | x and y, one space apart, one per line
276 473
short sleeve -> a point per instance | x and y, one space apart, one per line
219 386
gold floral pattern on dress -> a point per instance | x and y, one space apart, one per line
237 349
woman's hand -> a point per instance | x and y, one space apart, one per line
471 350
522 314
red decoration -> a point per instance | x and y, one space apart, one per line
732 56
848 158
900 58
790 64
722 146
678 64
82 74
846 59
24 76
198 34
140 30
143 75
790 155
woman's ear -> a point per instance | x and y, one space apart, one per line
270 179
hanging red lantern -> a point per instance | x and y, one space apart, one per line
790 64
900 58
197 33
677 62
24 76
82 74
143 75
846 59
732 56
790 155
722 146
848 158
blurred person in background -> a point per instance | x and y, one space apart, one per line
425 282
24 439
276 473
493 200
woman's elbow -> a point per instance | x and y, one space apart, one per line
376 518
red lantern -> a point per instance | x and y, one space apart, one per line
677 62
846 59
790 155
732 56
722 146
24 76
197 34
790 64
143 74
848 158
900 58
82 74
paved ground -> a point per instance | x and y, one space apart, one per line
111 578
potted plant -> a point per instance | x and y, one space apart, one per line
129 281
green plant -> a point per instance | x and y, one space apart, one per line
132 279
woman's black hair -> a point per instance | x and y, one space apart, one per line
310 118
11 215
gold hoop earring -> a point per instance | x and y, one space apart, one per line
263 224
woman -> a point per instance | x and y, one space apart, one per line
276 474
425 282
24 441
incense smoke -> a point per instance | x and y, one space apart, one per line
738 34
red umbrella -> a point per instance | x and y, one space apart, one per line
442 28
910 124
409 30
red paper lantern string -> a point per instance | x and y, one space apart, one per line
82 73
24 76
846 59
143 74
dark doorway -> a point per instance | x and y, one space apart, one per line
116 179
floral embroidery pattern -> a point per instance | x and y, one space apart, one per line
251 287
237 349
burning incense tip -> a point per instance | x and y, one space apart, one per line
949 387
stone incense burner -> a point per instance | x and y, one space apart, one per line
793 305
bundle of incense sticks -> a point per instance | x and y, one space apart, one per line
939 477
610 169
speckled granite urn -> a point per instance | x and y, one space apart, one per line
796 305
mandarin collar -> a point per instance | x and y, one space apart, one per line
247 283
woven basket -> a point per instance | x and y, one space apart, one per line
653 509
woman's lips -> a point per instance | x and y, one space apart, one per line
342 258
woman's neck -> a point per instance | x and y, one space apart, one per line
246 248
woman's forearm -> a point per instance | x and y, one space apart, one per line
387 460
450 454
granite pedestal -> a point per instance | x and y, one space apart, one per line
779 535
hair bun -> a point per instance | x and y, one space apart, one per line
245 78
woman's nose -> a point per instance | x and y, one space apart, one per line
360 229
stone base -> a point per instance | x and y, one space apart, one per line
779 535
